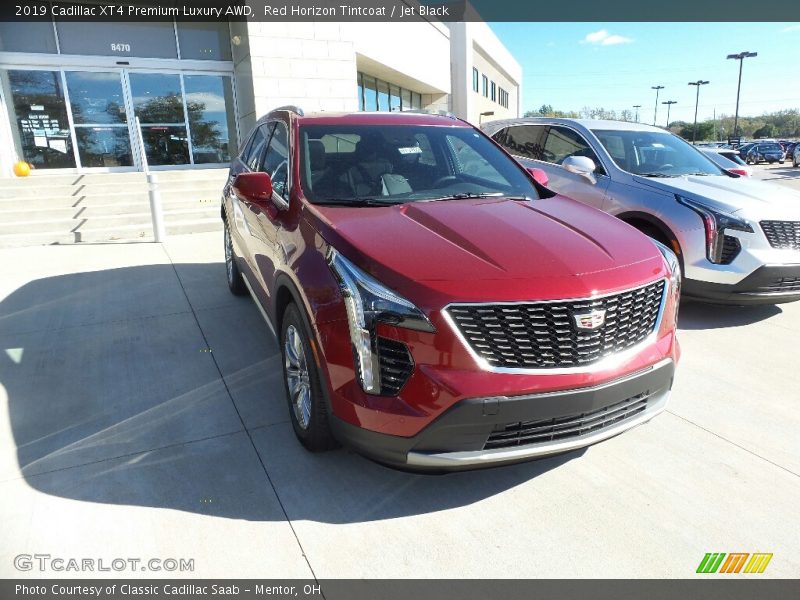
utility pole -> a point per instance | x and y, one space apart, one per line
637 107
655 113
740 57
697 83
669 104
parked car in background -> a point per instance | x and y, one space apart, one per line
436 308
796 156
728 160
738 239
769 152
790 150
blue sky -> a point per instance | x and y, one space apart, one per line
614 65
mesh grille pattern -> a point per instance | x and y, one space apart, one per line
542 335
730 249
548 430
396 365
782 234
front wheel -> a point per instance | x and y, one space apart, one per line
235 281
307 406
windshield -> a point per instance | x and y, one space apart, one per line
655 154
769 148
391 164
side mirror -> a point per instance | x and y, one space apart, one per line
580 165
253 187
539 176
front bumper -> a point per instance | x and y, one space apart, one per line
769 284
482 432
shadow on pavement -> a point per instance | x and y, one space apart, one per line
114 396
696 315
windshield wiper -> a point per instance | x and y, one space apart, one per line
655 175
366 201
471 195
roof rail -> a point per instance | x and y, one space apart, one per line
427 111
290 108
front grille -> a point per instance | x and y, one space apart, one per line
545 335
781 285
730 249
560 428
782 234
396 365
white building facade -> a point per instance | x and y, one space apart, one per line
69 101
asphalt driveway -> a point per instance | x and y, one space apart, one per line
142 415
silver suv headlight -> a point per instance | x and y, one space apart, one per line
715 222
368 302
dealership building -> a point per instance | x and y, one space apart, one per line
70 92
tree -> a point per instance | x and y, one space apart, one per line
767 131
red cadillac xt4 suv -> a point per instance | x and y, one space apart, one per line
437 308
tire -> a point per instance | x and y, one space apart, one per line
308 409
234 276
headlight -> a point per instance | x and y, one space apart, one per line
715 222
674 275
367 302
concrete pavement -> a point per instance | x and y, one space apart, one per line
142 415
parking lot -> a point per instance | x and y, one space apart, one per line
143 416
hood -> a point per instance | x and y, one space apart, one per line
492 248
752 197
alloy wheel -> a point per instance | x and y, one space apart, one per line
228 255
298 380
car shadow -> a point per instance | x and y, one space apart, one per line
114 396
696 315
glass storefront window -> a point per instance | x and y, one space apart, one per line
383 96
157 98
209 103
104 146
23 36
375 94
165 145
154 39
96 97
360 92
405 97
204 40
39 111
394 98
370 94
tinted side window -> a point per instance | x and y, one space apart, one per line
523 140
276 160
253 155
563 142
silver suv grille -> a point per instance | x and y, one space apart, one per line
546 335
782 234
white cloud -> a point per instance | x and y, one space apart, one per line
790 28
604 38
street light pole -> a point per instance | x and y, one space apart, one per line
740 57
655 113
669 104
697 83
637 107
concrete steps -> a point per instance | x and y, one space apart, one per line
107 207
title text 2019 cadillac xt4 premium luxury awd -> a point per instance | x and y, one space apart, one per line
436 308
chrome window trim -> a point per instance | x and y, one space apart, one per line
606 363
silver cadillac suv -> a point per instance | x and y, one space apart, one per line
738 238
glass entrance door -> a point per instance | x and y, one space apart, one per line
85 119
100 118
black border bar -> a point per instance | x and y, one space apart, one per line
781 11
